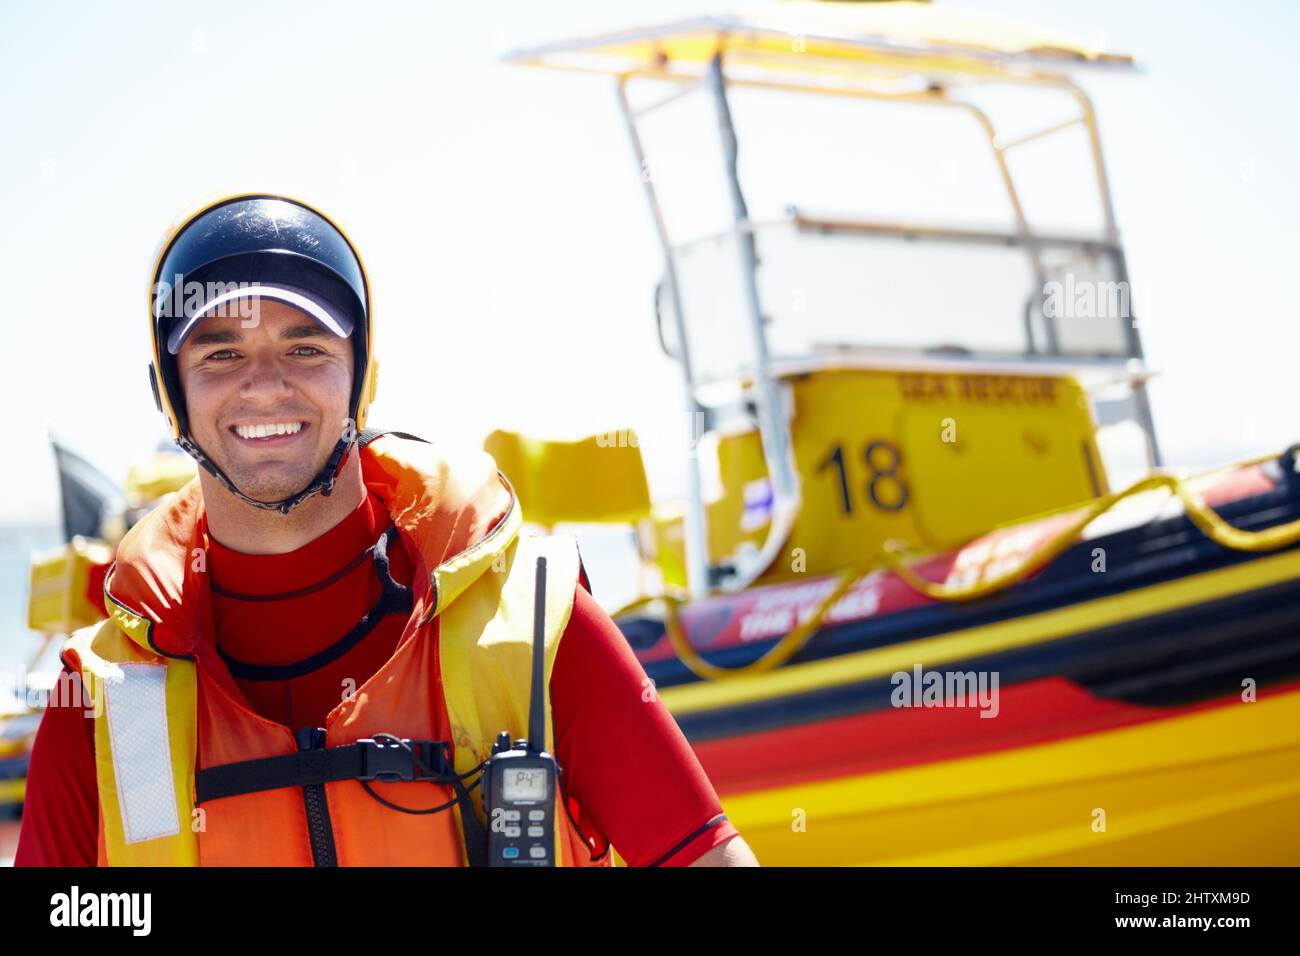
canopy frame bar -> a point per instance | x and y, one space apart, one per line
696 543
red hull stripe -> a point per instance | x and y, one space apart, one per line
1030 713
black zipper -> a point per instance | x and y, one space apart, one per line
318 811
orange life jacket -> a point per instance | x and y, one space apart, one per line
167 710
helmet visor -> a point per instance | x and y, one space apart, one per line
224 303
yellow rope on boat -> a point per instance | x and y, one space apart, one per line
777 655
1204 517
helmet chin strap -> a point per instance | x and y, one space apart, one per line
323 482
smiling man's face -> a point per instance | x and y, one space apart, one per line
267 404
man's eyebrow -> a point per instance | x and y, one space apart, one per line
224 337
310 330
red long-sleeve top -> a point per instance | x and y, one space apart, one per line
623 757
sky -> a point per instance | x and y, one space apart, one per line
502 220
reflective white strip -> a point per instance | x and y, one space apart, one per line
142 761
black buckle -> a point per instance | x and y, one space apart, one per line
390 760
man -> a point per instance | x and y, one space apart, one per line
313 647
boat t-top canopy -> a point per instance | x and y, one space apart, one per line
811 40
893 50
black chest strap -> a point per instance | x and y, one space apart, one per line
369 759
384 757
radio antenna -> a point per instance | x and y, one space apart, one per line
536 720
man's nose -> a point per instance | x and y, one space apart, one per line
265 378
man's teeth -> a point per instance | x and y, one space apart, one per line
268 431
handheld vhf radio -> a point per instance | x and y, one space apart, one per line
519 784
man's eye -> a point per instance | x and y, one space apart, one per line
309 350
222 355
